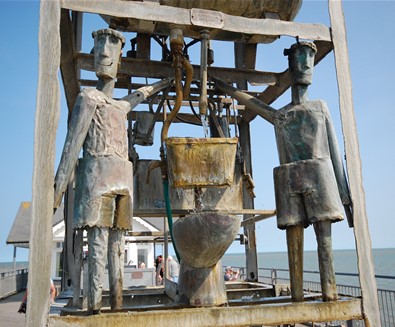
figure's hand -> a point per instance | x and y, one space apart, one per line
346 200
349 214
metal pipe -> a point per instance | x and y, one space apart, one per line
176 45
257 106
204 37
145 92
188 77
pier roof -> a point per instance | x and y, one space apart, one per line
20 231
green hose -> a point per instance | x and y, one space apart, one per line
170 216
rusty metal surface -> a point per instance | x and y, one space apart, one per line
149 195
202 238
200 162
146 17
285 9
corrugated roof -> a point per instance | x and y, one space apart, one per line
20 231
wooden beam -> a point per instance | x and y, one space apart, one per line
244 59
46 123
255 219
159 69
354 169
143 46
214 20
246 315
67 62
145 233
160 213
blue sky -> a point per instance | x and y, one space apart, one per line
370 39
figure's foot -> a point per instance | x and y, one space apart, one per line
329 297
93 312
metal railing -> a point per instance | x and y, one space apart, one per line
386 297
12 282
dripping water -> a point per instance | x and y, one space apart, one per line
205 125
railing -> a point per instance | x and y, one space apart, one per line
386 297
12 282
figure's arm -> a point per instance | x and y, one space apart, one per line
257 106
80 120
338 166
138 96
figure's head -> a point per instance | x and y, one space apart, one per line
301 62
107 52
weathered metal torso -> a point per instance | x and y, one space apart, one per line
107 134
301 132
105 168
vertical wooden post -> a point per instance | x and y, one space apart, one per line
46 121
14 260
362 238
245 58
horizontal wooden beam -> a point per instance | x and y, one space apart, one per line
131 233
255 219
160 213
212 20
245 315
159 69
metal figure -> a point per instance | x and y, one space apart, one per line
104 179
311 176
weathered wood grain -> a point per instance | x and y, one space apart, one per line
46 121
172 15
354 170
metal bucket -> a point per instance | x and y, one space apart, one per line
148 194
201 162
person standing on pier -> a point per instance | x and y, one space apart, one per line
52 294
310 183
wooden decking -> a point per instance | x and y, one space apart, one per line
9 306
9 315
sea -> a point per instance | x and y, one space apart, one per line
345 261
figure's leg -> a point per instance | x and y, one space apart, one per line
97 242
78 244
295 238
116 254
325 259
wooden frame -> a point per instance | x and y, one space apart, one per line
56 29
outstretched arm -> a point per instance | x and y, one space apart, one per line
80 120
257 106
138 96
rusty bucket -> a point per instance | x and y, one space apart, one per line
201 162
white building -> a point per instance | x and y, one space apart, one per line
138 249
